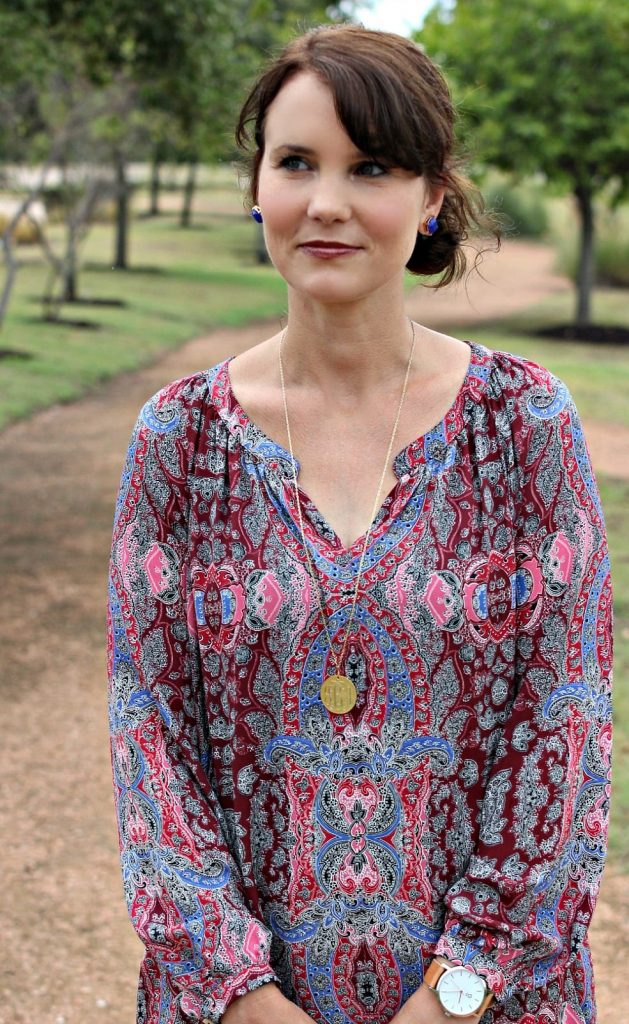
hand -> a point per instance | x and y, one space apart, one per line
264 1004
423 1007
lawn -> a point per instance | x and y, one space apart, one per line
181 283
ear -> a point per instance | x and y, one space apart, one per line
434 200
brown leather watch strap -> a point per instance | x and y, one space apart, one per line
435 970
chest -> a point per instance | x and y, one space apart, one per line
346 456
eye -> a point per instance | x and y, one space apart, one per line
371 169
294 163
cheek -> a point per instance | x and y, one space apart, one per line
394 220
396 224
281 207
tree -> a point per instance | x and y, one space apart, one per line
543 87
154 75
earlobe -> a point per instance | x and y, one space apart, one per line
428 227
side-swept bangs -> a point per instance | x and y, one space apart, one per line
395 106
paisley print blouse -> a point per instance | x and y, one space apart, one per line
460 808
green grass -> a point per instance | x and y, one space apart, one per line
181 284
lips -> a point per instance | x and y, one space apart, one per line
326 249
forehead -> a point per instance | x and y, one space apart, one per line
303 110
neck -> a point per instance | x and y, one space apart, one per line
345 351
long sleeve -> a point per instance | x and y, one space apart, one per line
183 888
520 912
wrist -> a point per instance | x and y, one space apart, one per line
459 990
423 1007
254 1007
263 1004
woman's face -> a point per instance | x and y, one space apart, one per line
337 225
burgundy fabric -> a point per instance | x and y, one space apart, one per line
460 808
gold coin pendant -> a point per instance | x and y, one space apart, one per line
338 693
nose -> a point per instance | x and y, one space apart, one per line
328 201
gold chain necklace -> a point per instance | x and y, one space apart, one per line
338 692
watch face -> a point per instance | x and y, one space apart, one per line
461 991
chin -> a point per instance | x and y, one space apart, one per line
333 292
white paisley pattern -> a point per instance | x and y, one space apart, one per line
460 808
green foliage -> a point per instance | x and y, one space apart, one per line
543 87
185 283
521 210
184 62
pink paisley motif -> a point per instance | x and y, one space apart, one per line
136 826
123 762
605 738
595 821
366 878
254 942
488 595
559 559
161 566
585 533
266 597
157 568
351 792
441 597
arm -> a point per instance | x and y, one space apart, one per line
183 889
522 909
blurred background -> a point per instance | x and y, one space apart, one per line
129 260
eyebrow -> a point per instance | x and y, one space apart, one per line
293 147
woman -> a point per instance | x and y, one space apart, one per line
358 743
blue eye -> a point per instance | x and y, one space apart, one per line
291 162
371 169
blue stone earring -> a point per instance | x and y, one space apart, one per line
430 226
256 213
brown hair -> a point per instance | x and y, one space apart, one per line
395 106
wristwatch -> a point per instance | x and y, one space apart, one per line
460 990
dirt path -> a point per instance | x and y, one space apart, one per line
69 954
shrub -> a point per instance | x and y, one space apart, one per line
25 231
521 210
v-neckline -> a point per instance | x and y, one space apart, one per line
406 464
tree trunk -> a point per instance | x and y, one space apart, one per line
188 195
585 272
70 293
6 239
122 214
155 182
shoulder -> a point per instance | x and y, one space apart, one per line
533 399
523 379
527 408
177 402
168 427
